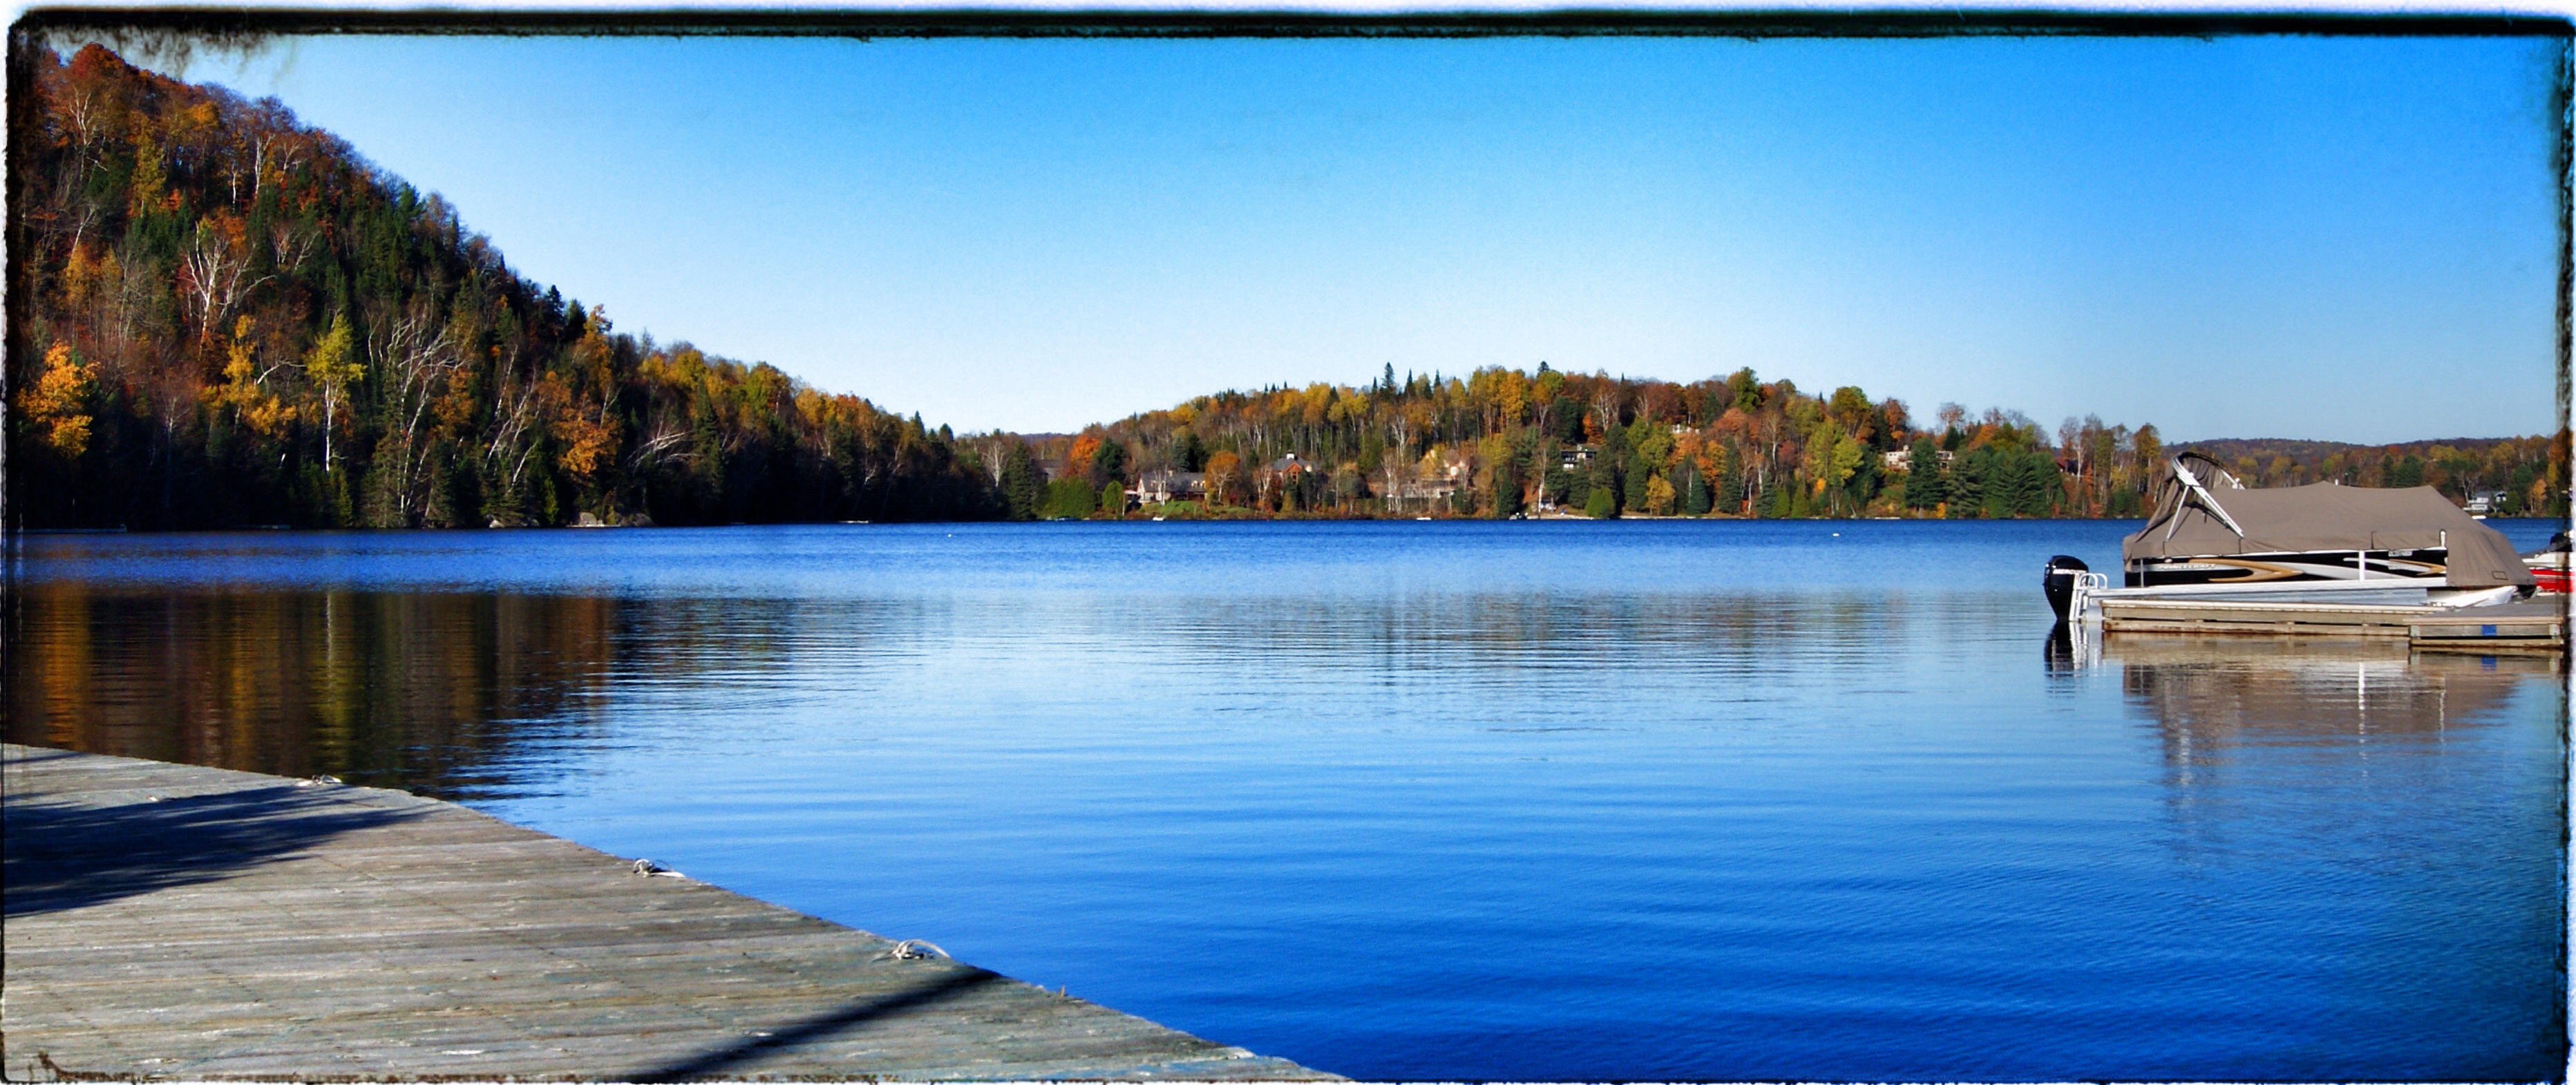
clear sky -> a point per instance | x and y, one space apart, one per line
2340 239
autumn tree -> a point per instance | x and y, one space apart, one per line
57 406
332 366
1225 478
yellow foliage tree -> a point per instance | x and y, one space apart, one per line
587 441
57 405
148 177
1224 477
1847 454
243 388
1315 403
86 277
333 365
1659 496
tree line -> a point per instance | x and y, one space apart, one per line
1502 441
227 318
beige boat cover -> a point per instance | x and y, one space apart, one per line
2320 516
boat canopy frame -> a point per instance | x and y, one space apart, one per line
2202 511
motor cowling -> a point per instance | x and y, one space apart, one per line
2058 580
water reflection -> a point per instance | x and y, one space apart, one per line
496 694
421 690
2210 694
1659 801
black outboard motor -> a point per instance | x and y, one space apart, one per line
2058 580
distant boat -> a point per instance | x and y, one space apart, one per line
2214 540
2548 564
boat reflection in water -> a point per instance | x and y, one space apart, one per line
2209 694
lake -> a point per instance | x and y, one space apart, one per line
1668 799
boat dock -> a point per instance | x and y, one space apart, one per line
2536 625
178 922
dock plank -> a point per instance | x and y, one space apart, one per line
2537 625
180 922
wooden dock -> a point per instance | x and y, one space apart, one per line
2535 627
2538 625
177 922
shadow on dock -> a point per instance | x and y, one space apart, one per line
717 1062
69 854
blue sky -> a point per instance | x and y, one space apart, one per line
2341 239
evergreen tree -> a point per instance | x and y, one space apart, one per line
2042 484
2009 488
1695 496
1068 499
1926 483
1108 464
1565 419
1606 475
1967 484
1744 392
1024 483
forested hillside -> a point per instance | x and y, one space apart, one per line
1502 441
222 317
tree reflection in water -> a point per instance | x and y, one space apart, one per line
423 690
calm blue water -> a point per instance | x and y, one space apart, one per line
1435 800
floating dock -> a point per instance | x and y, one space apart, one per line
2537 625
177 922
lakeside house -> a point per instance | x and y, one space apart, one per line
1435 488
1282 474
1902 459
1158 487
1430 483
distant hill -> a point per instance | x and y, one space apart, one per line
2266 447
